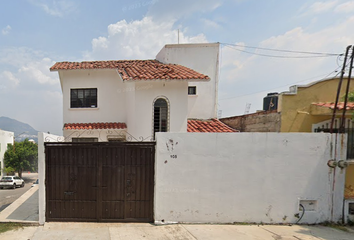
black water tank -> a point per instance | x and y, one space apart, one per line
270 102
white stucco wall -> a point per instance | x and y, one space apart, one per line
246 177
118 101
203 58
42 138
5 138
110 96
141 113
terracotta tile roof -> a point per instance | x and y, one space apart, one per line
340 105
211 125
136 69
84 126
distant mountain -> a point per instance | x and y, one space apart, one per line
21 130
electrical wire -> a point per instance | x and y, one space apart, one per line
284 50
303 213
318 54
326 76
279 56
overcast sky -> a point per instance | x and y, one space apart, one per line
34 34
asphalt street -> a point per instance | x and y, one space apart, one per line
8 196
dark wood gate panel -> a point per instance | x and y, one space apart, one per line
71 180
139 183
113 183
99 182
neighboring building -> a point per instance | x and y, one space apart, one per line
305 108
132 99
262 121
302 108
5 139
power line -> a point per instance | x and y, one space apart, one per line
280 56
336 70
284 50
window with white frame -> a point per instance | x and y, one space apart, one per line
83 98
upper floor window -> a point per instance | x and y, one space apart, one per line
192 90
160 115
83 98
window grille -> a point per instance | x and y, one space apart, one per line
160 115
83 98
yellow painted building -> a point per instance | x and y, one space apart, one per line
298 111
302 110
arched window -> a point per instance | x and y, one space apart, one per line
160 115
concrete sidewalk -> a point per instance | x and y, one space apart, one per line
137 231
24 209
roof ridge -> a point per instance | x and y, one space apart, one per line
137 69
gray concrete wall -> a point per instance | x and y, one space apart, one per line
255 122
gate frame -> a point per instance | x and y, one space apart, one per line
99 180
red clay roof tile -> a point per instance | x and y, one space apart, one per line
86 126
136 69
212 125
194 125
340 105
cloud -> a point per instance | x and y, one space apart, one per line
320 7
10 78
140 39
6 30
346 7
33 90
24 67
209 23
38 71
167 9
55 8
17 56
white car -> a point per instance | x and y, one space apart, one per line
11 182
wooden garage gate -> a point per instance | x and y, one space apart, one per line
101 182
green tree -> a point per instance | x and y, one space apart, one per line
350 97
23 156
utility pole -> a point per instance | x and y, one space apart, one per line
339 87
342 127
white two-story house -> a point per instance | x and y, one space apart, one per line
132 99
